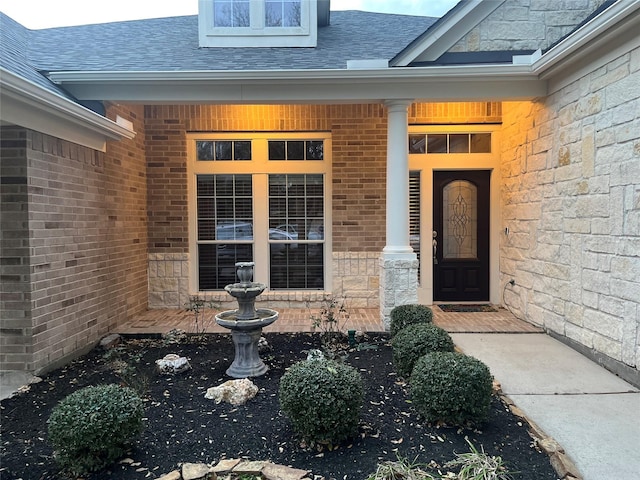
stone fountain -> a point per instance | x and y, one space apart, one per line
246 323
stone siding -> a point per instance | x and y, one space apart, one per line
526 25
571 201
74 243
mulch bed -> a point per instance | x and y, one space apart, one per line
183 426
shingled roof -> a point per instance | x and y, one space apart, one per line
14 45
171 44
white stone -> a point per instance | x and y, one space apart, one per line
173 363
315 354
235 392
194 471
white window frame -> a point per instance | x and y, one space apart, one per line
259 167
259 35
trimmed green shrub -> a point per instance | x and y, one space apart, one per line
322 399
92 428
452 388
414 341
404 315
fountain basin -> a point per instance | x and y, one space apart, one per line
230 320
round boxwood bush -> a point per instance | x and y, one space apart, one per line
451 388
322 399
92 427
405 315
414 341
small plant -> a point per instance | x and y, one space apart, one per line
91 428
477 465
330 321
125 365
452 388
203 312
322 399
400 469
416 340
405 315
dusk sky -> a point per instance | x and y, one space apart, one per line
37 14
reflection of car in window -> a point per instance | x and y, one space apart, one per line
234 231
316 232
283 232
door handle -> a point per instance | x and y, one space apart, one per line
435 247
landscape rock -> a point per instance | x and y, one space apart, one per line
110 341
175 475
195 471
226 465
172 364
249 468
272 471
263 345
235 392
315 354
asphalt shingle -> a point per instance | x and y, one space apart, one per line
171 44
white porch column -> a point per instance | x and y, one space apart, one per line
398 262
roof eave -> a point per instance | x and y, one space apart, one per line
29 105
308 86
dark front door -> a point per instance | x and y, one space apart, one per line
461 235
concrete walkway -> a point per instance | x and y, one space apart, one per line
593 414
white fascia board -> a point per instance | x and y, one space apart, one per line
447 32
623 14
24 103
288 86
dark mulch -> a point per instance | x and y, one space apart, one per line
183 426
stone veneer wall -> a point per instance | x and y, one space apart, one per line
571 200
359 136
526 25
74 243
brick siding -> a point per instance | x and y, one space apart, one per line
77 265
359 146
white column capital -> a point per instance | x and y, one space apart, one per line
398 105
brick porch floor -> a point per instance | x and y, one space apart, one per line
363 319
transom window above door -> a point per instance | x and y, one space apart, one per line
421 143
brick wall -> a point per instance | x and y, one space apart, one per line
359 136
526 25
571 199
16 345
87 257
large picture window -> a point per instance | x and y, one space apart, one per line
260 208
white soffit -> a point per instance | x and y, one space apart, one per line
26 104
446 32
354 85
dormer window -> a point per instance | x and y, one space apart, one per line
258 23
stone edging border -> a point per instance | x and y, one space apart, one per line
233 468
